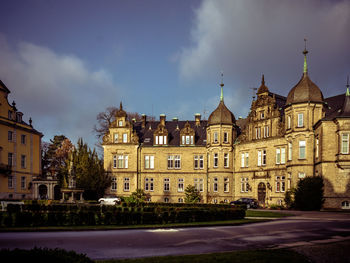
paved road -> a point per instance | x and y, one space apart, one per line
302 229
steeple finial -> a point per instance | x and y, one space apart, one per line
121 106
263 80
222 85
305 52
347 87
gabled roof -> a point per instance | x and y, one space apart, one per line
3 87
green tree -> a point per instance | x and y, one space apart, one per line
138 197
192 195
309 194
89 171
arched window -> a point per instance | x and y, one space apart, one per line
345 205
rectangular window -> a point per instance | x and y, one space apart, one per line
278 156
289 122
161 139
225 137
170 161
23 139
278 186
166 184
290 151
149 162
149 184
246 159
10 115
187 139
23 161
302 150
226 160
180 185
215 185
244 185
259 132
262 115
116 138
120 124
300 119
317 147
345 143
259 157
242 160
216 139
301 175
198 162
283 155
120 161
216 160
114 184
256 133
23 182
198 184
10 159
177 162
126 184
125 137
265 131
10 181
10 136
226 184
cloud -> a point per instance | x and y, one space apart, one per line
59 91
247 38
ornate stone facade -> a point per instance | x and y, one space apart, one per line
282 140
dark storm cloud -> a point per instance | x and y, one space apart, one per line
247 38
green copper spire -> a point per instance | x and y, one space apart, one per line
347 88
305 52
222 87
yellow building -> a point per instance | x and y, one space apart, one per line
20 154
282 140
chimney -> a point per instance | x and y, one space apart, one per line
197 118
175 119
162 119
144 117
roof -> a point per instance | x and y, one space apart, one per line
262 87
3 87
174 127
305 91
221 115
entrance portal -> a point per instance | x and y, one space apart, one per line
43 192
261 194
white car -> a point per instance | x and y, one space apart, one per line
109 200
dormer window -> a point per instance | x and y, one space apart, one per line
116 138
120 123
125 137
187 135
161 139
262 115
187 139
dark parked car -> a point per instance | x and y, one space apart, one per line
249 202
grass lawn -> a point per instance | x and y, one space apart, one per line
257 213
251 256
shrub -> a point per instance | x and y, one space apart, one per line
309 193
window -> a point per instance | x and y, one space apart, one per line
10 136
149 186
116 138
262 115
216 139
226 184
345 143
174 161
261 157
177 162
198 184
280 184
246 159
198 162
23 182
10 159
345 205
216 160
120 161
225 137
317 147
180 200
149 162
215 185
300 119
290 151
166 184
226 163
266 131
283 155
187 139
166 200
289 182
289 122
242 160
258 133
126 184
180 185
10 115
125 137
302 150
10 181
301 175
278 156
244 185
114 184
161 140
23 161
120 124
23 139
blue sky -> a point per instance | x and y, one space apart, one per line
66 61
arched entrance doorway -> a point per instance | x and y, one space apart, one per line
43 192
261 194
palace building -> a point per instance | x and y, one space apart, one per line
20 153
282 140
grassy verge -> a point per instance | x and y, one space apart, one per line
250 256
115 227
272 214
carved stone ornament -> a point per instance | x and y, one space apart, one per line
106 138
134 138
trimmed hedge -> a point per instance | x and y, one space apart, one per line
90 215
